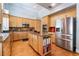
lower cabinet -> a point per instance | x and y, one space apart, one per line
36 42
6 47
20 35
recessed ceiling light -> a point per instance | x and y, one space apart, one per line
53 4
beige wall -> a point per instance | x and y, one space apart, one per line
63 14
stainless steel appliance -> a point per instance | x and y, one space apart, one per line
66 33
45 28
59 27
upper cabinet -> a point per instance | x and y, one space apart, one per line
45 23
12 21
15 21
18 21
45 20
38 25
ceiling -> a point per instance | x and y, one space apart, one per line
48 5
27 10
32 10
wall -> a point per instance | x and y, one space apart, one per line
17 22
62 14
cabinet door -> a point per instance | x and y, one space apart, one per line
40 45
38 25
0 49
25 20
13 21
15 36
30 39
6 47
19 22
22 35
35 42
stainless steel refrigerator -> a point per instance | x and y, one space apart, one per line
66 33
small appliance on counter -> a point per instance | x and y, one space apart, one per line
52 29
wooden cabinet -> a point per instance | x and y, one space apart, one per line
38 25
40 42
20 35
25 20
46 20
19 22
15 36
30 39
23 35
13 21
33 41
36 41
6 47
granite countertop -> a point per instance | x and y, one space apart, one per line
3 36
